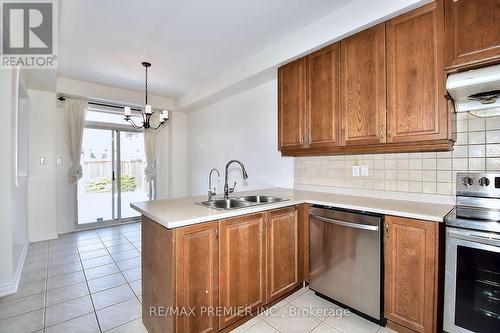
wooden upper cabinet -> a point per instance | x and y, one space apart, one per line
380 90
323 97
282 252
242 265
472 31
363 101
197 281
416 103
410 273
292 104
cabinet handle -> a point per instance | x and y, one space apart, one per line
389 129
381 129
305 139
386 230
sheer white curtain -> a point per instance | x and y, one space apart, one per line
75 120
151 146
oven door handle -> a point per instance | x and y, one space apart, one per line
467 236
345 224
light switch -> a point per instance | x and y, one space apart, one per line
43 160
355 170
59 161
364 171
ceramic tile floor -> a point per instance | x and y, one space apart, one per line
90 281
303 312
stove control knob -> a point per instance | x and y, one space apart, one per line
483 181
467 181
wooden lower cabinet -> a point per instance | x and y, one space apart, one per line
257 259
158 276
219 268
282 252
411 275
179 272
197 285
242 266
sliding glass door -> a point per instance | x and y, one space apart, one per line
132 161
113 165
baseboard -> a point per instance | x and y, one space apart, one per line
42 237
11 288
62 231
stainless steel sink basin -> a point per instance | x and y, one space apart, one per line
240 202
260 199
225 204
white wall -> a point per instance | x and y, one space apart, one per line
52 199
346 20
178 156
42 211
13 201
95 91
51 196
172 170
242 127
6 250
65 192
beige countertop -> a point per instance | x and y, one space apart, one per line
174 213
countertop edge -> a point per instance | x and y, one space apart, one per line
261 208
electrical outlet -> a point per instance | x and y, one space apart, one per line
364 171
59 161
355 170
43 160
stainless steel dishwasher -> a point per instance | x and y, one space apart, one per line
346 259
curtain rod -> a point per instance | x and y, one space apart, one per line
62 99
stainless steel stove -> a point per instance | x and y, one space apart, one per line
472 281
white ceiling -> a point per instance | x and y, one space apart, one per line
187 41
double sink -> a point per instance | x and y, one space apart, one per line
240 202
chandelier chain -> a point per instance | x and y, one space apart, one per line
146 85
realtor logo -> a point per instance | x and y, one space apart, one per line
29 37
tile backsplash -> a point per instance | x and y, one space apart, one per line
477 149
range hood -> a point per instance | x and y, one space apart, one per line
476 91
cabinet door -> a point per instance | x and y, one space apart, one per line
292 104
363 102
416 106
197 276
282 252
410 273
323 97
242 266
472 31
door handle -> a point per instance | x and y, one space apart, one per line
466 236
346 224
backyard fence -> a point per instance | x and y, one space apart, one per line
98 170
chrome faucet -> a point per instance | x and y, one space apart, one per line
227 189
212 193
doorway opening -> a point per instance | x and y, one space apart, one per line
113 163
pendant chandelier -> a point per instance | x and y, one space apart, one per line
147 112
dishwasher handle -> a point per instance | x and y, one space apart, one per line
345 224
